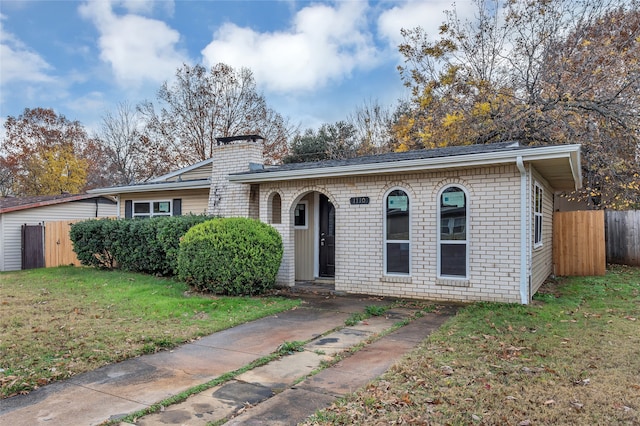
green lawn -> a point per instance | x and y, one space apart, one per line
571 357
55 323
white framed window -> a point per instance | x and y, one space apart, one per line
537 214
397 232
453 236
301 215
146 209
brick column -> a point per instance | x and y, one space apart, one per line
229 199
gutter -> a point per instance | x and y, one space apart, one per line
467 160
153 187
524 289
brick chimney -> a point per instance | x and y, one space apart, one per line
234 155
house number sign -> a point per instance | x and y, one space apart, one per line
359 200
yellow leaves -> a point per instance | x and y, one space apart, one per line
451 119
56 170
450 76
402 147
481 109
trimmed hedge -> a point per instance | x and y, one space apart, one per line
233 256
92 242
140 245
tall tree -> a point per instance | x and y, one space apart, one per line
37 141
133 156
202 105
539 72
373 126
54 170
330 142
6 178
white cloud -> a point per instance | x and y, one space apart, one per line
139 49
146 7
92 101
414 13
20 63
325 43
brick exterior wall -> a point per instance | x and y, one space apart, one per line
233 199
493 226
493 223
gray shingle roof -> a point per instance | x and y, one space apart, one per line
450 151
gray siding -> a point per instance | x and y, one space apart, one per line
541 257
11 223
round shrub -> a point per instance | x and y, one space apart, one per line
233 256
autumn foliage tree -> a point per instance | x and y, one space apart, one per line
47 154
133 156
540 72
201 105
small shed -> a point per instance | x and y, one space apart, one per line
22 221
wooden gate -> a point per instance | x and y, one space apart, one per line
578 243
32 246
58 245
623 237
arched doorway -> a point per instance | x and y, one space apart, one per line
314 227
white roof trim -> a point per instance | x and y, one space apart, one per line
154 187
181 171
572 152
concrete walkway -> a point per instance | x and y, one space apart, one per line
276 393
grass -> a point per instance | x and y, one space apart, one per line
571 357
369 311
56 323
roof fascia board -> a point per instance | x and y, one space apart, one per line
155 187
467 160
50 203
181 171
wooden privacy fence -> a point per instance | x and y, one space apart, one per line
58 248
622 230
579 243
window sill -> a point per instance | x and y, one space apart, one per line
451 282
396 279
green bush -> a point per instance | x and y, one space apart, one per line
234 256
140 245
169 233
92 242
136 247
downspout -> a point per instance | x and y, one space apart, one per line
524 293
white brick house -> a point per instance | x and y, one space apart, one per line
459 223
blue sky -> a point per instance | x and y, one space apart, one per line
315 62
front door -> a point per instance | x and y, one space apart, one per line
327 261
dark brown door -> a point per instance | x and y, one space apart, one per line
32 246
327 212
